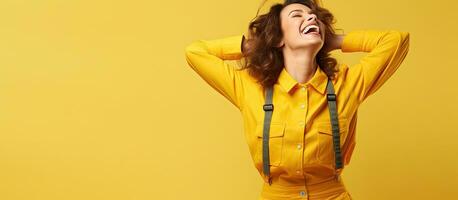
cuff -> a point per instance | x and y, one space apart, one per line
229 48
353 41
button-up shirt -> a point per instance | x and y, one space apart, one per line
300 141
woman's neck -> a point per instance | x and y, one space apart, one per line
301 65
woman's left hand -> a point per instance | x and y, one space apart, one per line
333 43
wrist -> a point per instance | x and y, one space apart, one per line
338 40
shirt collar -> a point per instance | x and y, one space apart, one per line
318 81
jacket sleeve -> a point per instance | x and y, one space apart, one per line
206 58
387 49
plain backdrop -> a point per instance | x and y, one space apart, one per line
97 102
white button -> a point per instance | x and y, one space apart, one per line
302 193
303 88
301 123
302 106
299 146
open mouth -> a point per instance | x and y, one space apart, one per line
311 30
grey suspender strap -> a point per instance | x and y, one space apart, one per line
268 109
331 96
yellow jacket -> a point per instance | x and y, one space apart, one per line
301 152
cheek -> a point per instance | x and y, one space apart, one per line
293 29
291 33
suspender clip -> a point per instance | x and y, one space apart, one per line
331 97
268 107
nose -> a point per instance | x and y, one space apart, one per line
311 17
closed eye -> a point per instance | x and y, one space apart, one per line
309 12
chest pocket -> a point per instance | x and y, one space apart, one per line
325 151
277 131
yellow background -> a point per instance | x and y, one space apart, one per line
97 102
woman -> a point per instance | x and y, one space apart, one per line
287 50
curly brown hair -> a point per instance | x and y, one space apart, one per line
264 60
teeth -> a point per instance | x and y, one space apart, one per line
309 27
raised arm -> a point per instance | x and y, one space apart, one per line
387 50
206 57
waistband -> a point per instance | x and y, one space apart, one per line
329 189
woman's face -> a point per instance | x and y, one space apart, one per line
301 28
